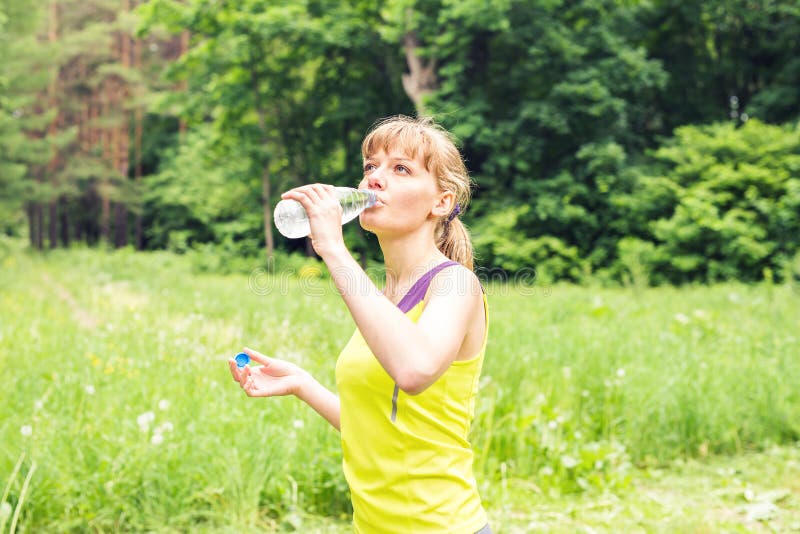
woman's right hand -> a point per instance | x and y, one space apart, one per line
271 379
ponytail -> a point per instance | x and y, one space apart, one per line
454 242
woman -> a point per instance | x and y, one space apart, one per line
408 377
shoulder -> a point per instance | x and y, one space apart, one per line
456 283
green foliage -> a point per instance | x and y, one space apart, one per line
719 203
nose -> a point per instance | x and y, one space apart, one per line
375 181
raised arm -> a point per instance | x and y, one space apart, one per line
413 354
276 377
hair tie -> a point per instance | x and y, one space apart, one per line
454 213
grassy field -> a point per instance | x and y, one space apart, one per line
601 410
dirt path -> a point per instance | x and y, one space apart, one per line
83 318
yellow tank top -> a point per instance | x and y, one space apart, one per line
407 458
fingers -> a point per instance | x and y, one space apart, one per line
313 195
236 372
257 356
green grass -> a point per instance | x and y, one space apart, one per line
593 401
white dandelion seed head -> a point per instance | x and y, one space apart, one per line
598 465
163 404
682 318
552 425
547 471
144 421
89 389
621 373
164 427
298 423
26 430
157 439
38 405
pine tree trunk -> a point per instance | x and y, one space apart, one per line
52 224
52 131
38 216
105 138
137 64
64 220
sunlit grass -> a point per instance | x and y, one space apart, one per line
117 390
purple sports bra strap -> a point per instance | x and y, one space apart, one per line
420 287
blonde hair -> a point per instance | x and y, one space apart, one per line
442 159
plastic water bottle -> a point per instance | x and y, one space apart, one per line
292 221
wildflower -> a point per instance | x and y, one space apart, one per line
166 426
26 430
157 439
620 373
38 405
144 421
552 425
163 404
546 471
568 461
681 318
567 372
298 423
89 389
585 393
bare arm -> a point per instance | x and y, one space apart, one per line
414 354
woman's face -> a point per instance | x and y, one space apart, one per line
407 193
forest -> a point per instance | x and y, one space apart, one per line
654 142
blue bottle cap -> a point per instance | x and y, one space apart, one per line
242 359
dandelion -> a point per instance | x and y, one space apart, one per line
298 423
568 461
89 389
681 318
157 439
598 465
38 405
166 426
620 373
552 425
26 430
163 404
540 398
546 471
578 435
5 512
144 421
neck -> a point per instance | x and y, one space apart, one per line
406 258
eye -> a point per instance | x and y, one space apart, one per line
402 169
369 167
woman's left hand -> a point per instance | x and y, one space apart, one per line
324 216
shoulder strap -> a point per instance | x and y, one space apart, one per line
420 287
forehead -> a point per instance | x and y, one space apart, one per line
398 139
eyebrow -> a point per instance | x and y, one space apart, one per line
393 158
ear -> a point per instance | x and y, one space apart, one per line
445 203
